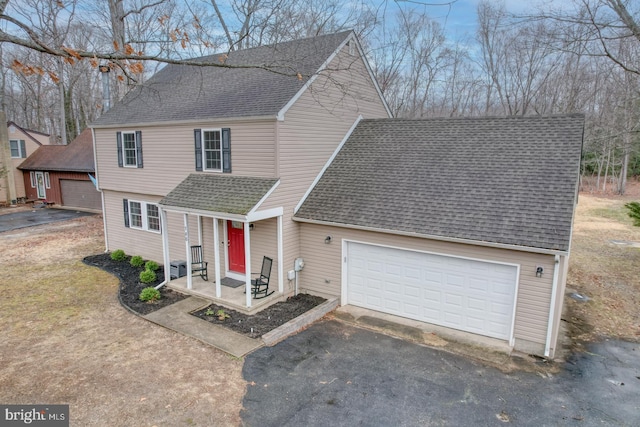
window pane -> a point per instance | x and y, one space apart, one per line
15 148
129 149
153 217
212 150
135 212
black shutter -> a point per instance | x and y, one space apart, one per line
197 136
119 144
125 205
23 149
139 147
226 150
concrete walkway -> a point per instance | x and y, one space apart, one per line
177 318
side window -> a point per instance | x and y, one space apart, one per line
18 149
141 215
129 145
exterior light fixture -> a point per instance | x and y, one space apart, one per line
327 239
539 271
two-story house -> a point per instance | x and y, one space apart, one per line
462 223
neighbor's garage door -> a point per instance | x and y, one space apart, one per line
469 295
80 194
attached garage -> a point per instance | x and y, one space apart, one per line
80 194
463 223
465 294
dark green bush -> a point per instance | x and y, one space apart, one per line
151 265
149 294
634 212
136 261
118 255
147 276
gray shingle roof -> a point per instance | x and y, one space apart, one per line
181 92
507 180
219 193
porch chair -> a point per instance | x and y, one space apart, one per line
260 286
198 265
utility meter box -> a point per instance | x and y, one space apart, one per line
298 264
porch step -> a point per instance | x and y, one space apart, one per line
177 318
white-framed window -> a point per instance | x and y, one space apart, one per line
129 156
212 149
47 183
18 149
32 175
141 215
129 146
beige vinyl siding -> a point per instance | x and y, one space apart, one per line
322 273
132 241
30 147
169 155
312 130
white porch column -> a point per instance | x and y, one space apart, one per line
164 229
200 231
247 262
188 249
280 257
216 257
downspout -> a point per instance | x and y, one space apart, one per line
552 309
165 249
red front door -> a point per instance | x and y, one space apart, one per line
235 234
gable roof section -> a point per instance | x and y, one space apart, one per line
28 132
499 180
77 156
226 194
189 92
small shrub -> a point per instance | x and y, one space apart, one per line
151 265
634 212
209 312
149 294
222 315
147 276
118 255
136 261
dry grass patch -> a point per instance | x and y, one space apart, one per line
604 271
66 339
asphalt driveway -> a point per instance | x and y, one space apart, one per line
337 374
36 216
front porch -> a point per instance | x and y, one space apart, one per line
230 297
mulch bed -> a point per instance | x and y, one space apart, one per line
266 320
253 326
130 285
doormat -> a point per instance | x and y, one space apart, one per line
231 283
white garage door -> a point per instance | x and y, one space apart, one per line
469 295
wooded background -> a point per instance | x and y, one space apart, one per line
561 57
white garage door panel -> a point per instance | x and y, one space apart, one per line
469 295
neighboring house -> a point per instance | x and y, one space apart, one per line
62 174
463 223
22 142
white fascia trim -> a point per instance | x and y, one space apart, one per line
283 111
185 122
210 214
326 165
372 76
433 237
261 201
268 213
